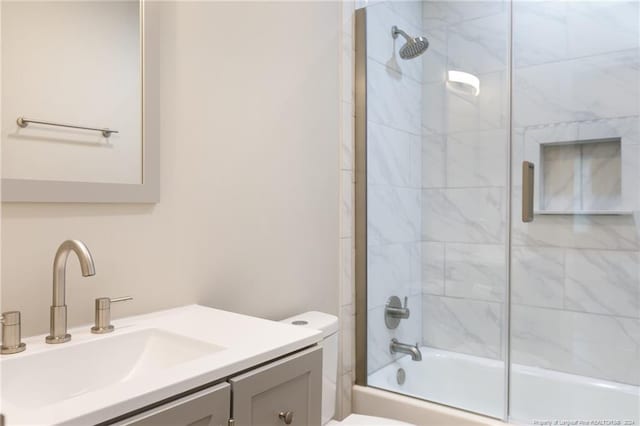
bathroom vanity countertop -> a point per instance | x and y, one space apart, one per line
237 342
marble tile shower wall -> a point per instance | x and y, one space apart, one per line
346 361
393 176
464 178
576 279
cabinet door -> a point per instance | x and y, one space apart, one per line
291 386
209 407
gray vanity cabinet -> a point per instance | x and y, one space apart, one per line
209 407
287 391
282 392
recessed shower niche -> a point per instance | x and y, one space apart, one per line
581 177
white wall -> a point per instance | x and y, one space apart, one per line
248 217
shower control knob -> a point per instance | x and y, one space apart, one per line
394 312
286 417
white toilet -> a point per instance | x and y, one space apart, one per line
328 325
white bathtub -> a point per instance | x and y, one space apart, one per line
537 395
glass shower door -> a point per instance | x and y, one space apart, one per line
437 129
575 258
500 174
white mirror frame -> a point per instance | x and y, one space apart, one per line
43 191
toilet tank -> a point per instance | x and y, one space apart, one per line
328 325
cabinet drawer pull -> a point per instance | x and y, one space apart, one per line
286 417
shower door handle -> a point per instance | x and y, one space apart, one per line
528 170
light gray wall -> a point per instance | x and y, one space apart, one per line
248 217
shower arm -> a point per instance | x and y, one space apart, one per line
395 31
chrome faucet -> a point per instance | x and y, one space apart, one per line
58 328
414 351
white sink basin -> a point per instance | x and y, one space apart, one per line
48 377
148 358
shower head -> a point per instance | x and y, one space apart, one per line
414 47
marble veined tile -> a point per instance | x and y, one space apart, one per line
537 276
540 32
601 176
596 27
463 10
625 128
434 108
347 333
475 271
346 204
393 269
462 325
434 160
517 154
432 274
602 86
393 157
479 46
561 179
393 215
434 24
591 345
348 69
347 255
477 158
606 282
409 10
393 99
472 215
549 133
573 231
552 31
347 134
434 61
630 177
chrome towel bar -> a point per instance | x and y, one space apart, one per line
24 122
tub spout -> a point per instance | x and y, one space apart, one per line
397 347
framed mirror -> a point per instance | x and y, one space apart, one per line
74 116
